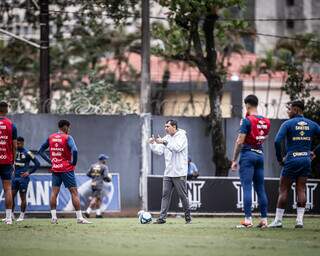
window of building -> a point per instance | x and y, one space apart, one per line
290 2
290 24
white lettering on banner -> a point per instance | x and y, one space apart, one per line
42 196
31 199
3 157
310 187
3 137
3 142
194 194
310 191
3 127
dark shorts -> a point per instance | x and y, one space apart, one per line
296 167
96 192
68 179
20 184
6 171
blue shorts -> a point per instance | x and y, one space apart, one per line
20 184
6 171
68 179
296 167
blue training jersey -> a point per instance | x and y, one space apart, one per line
22 163
298 132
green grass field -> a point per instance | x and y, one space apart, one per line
125 236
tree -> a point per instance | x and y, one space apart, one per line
192 37
71 60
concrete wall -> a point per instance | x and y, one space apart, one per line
200 149
119 137
116 136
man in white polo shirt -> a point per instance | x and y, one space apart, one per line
174 146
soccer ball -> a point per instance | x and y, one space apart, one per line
144 217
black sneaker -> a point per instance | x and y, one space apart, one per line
87 215
99 216
159 221
188 221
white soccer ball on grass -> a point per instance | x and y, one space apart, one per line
144 217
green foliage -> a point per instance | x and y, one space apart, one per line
97 96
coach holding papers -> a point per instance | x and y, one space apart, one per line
174 146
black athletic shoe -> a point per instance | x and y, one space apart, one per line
87 215
99 216
188 221
159 221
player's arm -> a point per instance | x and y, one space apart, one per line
238 146
178 144
36 164
278 141
89 173
42 150
14 142
244 129
106 176
156 148
74 150
35 161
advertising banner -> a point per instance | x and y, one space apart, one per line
39 190
225 195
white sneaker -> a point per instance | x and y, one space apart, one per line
54 221
8 221
3 220
275 224
299 224
83 221
20 219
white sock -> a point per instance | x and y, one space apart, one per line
89 210
79 214
279 214
54 214
300 213
21 215
98 212
248 219
8 214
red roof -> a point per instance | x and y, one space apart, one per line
182 72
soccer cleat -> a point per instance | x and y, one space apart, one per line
8 221
245 224
159 221
54 221
262 224
188 221
275 224
83 221
20 219
299 224
87 215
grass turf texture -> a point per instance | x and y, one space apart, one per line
125 236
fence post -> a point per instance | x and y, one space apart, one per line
145 159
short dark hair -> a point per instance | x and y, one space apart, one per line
297 103
4 107
251 100
173 123
21 139
63 123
